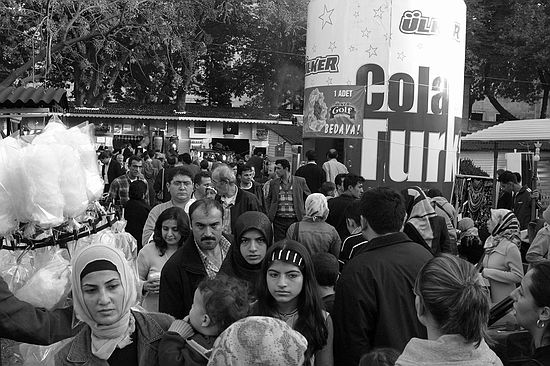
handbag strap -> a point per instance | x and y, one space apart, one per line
296 232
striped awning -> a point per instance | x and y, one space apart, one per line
519 130
22 97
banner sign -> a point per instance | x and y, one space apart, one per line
334 111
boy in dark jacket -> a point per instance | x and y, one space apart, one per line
217 304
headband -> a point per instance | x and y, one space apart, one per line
287 255
97 265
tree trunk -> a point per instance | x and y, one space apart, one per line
180 99
544 106
503 111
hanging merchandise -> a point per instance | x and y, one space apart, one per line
48 181
473 197
49 285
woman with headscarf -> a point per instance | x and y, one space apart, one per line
104 290
253 236
313 232
423 226
502 264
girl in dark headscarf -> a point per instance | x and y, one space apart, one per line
423 226
253 235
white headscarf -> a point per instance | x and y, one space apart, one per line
105 338
316 207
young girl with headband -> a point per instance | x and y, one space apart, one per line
288 291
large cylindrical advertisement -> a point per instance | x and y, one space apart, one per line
405 58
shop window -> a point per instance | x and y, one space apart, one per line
199 128
476 116
230 128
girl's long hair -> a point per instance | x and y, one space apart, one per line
182 220
311 321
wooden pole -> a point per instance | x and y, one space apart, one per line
495 162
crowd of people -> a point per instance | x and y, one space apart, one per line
250 264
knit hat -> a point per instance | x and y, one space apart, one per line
259 340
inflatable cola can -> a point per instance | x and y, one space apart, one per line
388 75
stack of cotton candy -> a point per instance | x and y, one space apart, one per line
79 138
44 201
10 187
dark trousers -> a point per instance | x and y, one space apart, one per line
281 225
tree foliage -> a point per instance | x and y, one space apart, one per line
146 49
507 51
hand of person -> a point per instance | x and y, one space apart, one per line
152 286
182 327
535 194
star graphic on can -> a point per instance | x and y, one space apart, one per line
352 48
326 16
329 81
388 36
401 55
372 51
332 46
378 12
365 33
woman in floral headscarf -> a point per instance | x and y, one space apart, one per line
313 232
104 290
502 259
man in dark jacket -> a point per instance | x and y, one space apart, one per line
374 304
110 169
521 197
314 175
245 176
234 201
353 189
201 255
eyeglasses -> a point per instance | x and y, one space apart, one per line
185 183
222 182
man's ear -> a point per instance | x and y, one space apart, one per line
545 314
206 321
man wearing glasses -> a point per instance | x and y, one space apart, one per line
234 200
179 182
118 191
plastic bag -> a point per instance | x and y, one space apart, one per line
80 138
44 202
16 267
10 170
34 355
49 286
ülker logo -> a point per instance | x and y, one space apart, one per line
413 22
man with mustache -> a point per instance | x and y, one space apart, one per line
201 255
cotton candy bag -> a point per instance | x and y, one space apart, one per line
10 188
80 138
